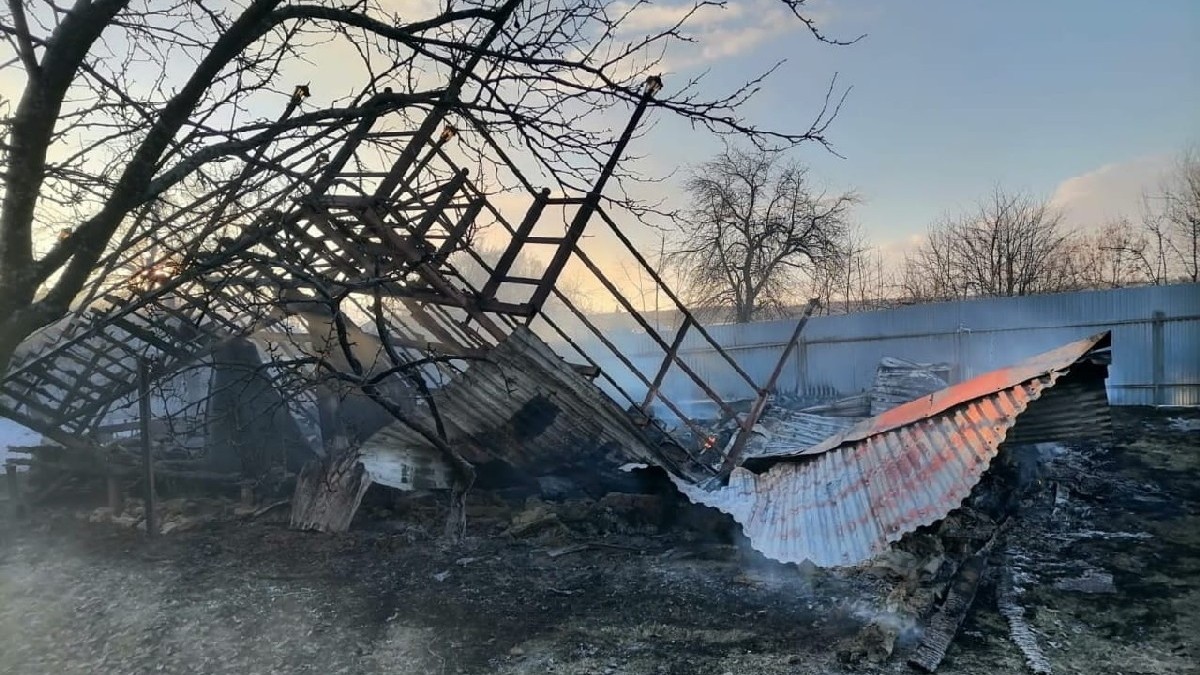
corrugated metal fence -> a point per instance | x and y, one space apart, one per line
1156 344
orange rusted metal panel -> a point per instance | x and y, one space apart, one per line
849 498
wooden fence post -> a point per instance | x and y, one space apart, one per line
147 446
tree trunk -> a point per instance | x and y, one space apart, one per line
328 493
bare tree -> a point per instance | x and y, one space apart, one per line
1115 256
757 231
111 142
856 280
1180 196
1011 244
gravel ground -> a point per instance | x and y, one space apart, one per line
77 597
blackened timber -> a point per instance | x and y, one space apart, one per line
590 203
672 352
654 276
624 302
944 625
434 212
760 401
34 404
92 365
514 247
148 336
459 231
323 223
47 375
99 353
330 172
434 278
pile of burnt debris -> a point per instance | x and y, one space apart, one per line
915 482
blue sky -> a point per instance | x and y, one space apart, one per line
1085 103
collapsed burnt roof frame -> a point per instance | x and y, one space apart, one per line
371 240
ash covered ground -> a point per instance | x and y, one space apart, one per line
1105 551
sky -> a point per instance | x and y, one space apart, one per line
1085 104
1082 103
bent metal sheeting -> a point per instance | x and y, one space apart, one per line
846 499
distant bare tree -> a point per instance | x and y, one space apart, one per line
1011 244
1116 255
1180 194
757 231
857 280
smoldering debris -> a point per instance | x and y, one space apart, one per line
1091 581
691 596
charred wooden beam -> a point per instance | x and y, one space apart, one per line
591 202
147 448
448 191
944 625
514 247
1019 631
672 354
746 425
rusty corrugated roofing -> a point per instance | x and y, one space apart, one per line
848 498
1055 360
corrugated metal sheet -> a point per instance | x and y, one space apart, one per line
526 407
900 381
848 498
837 355
788 430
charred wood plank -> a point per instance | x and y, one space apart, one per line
127 470
328 494
14 488
1019 631
944 625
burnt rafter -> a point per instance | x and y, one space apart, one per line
390 244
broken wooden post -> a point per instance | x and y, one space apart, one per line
246 496
760 403
14 489
147 446
328 493
116 500
944 625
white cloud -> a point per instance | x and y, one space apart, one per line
1110 191
657 17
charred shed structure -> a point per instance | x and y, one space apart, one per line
360 332
368 300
